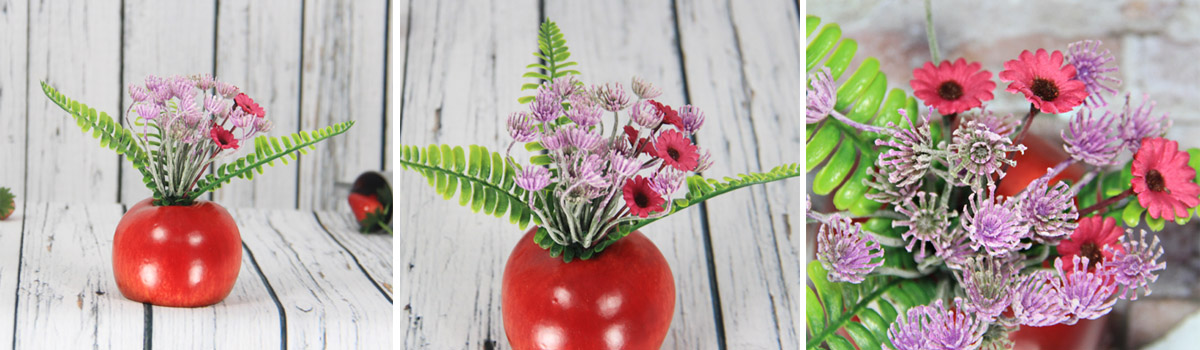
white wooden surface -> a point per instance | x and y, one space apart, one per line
301 285
307 63
738 62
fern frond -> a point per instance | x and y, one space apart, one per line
701 189
266 151
480 177
833 149
832 306
553 54
110 132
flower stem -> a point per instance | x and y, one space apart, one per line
1105 203
929 33
1033 111
898 272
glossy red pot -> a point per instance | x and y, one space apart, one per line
622 298
181 256
1084 334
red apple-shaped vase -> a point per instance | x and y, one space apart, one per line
621 298
180 256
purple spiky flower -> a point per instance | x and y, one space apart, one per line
646 114
611 97
705 161
820 97
988 282
954 247
1085 294
845 251
1090 139
667 181
1136 124
585 115
1089 62
995 224
1004 125
564 87
692 118
1135 267
911 152
623 166
1035 302
976 153
553 141
148 111
936 327
521 127
644 90
546 105
884 190
1051 211
927 219
579 137
533 178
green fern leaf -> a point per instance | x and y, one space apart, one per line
838 153
481 178
553 53
832 306
266 149
701 189
110 132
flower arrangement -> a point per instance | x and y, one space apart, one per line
591 182
180 127
926 252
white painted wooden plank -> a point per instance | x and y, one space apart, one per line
372 251
258 49
397 42
464 64
639 39
162 38
67 297
247 319
343 77
14 73
742 61
76 52
327 301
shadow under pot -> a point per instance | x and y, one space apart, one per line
179 256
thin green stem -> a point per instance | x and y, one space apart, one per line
930 34
1105 203
898 272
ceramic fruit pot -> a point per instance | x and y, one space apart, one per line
180 256
621 298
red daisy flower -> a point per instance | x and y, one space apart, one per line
1049 85
670 116
1090 238
640 199
1162 179
249 106
953 87
223 138
676 151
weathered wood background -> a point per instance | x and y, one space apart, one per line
735 259
308 63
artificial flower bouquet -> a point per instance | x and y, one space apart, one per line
606 162
179 127
922 251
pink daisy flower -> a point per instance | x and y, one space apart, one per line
1162 179
640 198
1049 85
952 87
1090 239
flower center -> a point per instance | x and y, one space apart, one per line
1155 181
1044 89
950 90
673 153
641 200
1091 251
